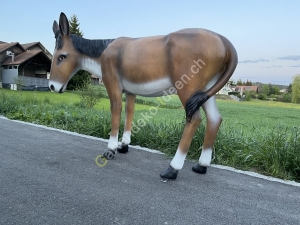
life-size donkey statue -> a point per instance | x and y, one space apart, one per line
193 63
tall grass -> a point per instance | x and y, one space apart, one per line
272 150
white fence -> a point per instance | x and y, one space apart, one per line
27 83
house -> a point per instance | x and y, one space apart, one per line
226 89
28 63
242 89
95 80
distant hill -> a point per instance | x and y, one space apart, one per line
262 84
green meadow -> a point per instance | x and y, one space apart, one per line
261 136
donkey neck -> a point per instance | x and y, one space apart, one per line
91 65
91 51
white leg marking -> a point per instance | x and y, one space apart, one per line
211 110
214 119
178 160
113 142
205 157
126 138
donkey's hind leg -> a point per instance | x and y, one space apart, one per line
184 145
129 112
214 120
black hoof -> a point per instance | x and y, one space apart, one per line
123 149
109 154
197 168
169 173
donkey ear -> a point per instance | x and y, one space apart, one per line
64 24
55 27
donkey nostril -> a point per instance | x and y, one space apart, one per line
52 87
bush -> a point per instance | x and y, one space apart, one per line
287 98
90 95
262 96
248 96
79 80
19 82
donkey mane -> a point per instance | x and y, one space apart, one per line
91 48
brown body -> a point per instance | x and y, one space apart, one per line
152 58
192 62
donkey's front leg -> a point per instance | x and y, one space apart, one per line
129 112
116 109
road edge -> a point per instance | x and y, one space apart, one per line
249 173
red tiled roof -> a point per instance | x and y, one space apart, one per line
246 88
22 57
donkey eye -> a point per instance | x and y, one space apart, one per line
61 57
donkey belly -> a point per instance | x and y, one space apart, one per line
148 89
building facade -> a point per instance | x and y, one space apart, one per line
26 64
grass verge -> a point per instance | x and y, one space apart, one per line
268 147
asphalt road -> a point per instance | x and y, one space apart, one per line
50 177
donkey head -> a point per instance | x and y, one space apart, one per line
65 61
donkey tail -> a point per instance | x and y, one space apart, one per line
200 97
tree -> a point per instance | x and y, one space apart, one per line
248 83
266 89
239 82
248 96
287 98
253 94
273 89
74 26
81 78
289 89
296 89
270 89
276 90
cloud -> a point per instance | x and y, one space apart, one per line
291 57
271 66
254 61
295 66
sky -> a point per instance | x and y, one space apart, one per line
266 34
